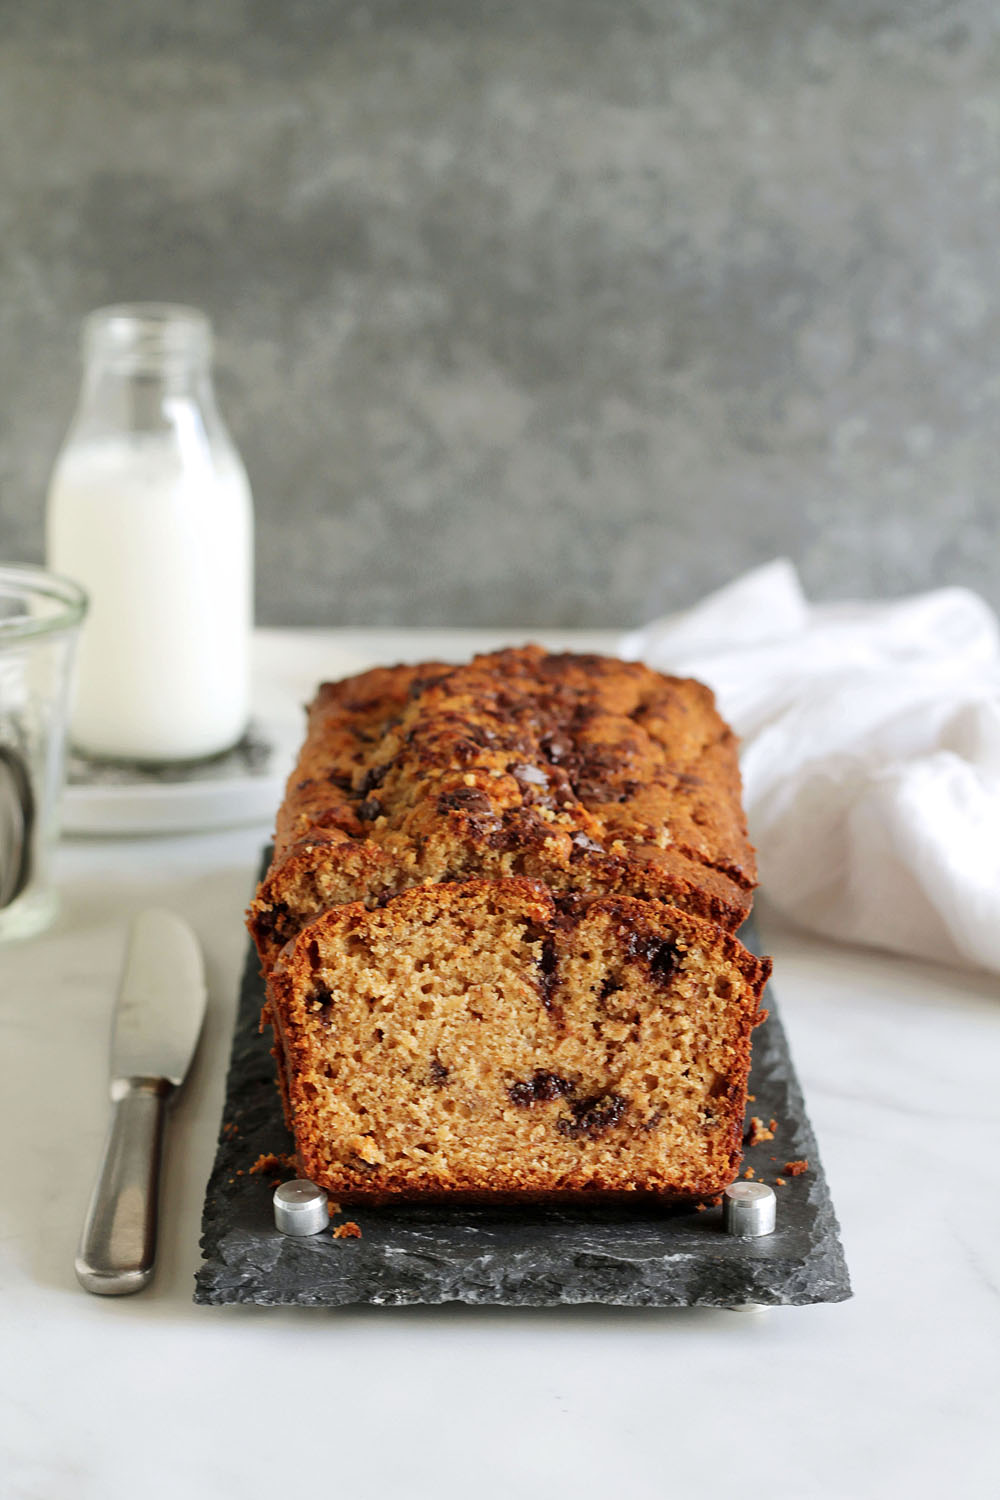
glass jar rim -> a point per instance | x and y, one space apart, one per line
27 580
147 333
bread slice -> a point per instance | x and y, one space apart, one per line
484 1038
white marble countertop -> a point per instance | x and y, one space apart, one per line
892 1393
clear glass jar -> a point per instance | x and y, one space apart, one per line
150 510
40 616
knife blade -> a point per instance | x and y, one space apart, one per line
155 1029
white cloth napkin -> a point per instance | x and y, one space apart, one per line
870 757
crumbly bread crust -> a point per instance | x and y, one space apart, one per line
584 772
485 1039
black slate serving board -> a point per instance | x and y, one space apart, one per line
638 1256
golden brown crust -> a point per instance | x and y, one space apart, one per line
584 772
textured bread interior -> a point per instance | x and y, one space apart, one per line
480 1038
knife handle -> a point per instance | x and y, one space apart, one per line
118 1244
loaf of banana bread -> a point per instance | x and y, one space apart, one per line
584 772
498 933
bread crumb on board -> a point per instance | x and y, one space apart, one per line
272 1161
348 1231
759 1132
796 1168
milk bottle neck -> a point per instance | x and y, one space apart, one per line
147 371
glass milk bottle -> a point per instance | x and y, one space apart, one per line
149 508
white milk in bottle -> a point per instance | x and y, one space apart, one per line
149 508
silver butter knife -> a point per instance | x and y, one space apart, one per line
157 1022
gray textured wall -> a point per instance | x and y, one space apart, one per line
542 311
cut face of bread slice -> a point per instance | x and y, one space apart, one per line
583 772
481 1039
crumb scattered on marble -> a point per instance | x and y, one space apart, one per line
348 1231
796 1168
749 1172
332 1208
780 1181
